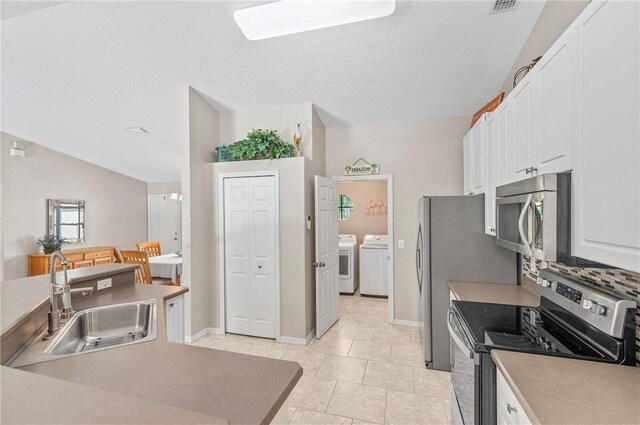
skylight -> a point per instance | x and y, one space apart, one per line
294 16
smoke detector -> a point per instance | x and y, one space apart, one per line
500 6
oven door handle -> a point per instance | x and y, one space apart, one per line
458 338
523 214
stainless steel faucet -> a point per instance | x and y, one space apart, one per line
56 316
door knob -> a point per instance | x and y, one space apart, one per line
320 264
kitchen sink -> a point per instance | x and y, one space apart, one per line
105 327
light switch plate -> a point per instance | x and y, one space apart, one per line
400 243
103 284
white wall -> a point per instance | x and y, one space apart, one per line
116 205
425 158
164 188
362 221
202 127
234 125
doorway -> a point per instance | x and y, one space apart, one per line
250 260
366 208
164 222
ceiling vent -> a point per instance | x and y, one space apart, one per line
503 6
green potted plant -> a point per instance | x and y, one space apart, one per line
261 144
51 243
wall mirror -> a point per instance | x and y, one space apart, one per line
345 207
66 219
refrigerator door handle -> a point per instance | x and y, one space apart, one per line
419 257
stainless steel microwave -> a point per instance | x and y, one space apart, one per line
533 217
527 216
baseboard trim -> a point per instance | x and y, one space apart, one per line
410 323
298 341
193 338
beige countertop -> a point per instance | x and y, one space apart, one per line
495 293
556 390
44 400
219 384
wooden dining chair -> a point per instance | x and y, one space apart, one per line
151 248
118 256
141 258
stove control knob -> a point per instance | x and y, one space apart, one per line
545 283
539 280
594 307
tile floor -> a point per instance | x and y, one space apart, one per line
363 370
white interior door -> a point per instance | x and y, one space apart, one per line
164 222
250 245
326 260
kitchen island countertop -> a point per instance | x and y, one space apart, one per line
556 390
219 385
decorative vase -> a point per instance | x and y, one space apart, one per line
49 250
297 141
224 153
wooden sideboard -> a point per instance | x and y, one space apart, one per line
77 258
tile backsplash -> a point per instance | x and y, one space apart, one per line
622 283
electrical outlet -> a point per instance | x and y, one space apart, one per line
400 243
103 284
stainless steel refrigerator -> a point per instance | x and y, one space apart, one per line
452 246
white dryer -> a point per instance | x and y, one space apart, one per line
347 263
374 265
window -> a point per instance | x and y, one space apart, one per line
345 207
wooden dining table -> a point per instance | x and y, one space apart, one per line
167 266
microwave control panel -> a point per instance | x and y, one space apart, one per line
569 293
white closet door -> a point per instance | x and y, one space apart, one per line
164 222
250 246
237 247
263 237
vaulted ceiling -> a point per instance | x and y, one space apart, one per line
76 75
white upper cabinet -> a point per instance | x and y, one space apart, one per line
473 148
522 160
466 149
503 137
606 133
553 104
489 174
477 156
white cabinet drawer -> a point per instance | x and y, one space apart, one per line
508 409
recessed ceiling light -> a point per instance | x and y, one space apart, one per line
293 16
137 130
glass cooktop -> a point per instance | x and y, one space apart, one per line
527 329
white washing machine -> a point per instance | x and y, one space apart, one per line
347 263
374 265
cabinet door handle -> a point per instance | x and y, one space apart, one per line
511 409
171 305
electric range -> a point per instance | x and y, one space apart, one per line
573 320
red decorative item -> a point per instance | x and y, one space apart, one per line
489 107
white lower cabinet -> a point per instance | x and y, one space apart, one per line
174 319
508 409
